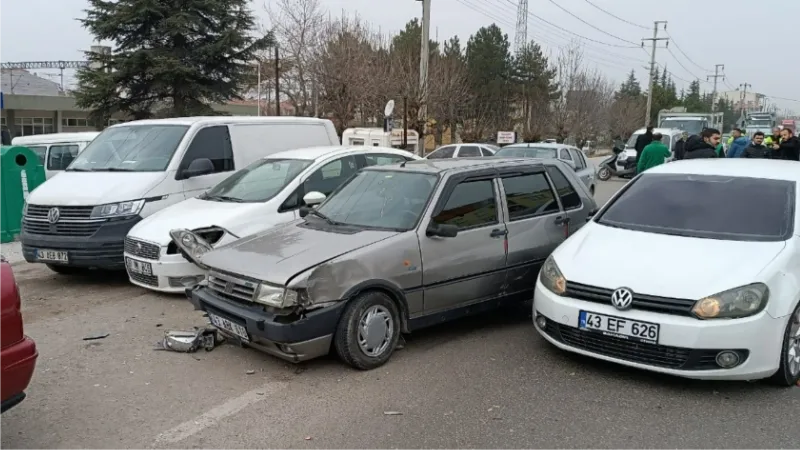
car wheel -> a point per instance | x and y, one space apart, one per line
604 174
66 270
788 373
368 331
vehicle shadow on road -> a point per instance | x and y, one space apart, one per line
27 273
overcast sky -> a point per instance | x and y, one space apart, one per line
758 42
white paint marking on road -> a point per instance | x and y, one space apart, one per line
217 413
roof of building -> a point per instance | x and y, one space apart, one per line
22 82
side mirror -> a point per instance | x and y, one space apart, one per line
198 167
313 198
441 230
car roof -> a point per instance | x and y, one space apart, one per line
661 131
189 121
553 146
312 153
735 167
436 166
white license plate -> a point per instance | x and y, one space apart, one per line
229 326
139 267
52 255
633 330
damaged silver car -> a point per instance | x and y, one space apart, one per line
394 249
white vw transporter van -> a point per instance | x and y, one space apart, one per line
79 219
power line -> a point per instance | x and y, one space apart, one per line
616 17
590 25
669 50
684 53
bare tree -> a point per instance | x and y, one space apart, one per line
447 92
297 25
625 115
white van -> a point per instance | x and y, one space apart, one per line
79 219
376 137
56 150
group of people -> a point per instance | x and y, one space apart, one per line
651 151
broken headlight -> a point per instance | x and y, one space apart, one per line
276 296
191 245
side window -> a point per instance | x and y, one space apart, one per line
61 156
471 205
529 195
41 152
382 160
569 198
486 152
442 153
576 156
564 154
469 151
328 177
213 143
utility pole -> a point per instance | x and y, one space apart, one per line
743 97
654 41
258 89
424 55
277 82
716 76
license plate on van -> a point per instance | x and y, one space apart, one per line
52 255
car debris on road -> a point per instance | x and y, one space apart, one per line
189 341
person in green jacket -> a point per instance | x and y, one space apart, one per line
720 150
653 154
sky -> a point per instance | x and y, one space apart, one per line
756 41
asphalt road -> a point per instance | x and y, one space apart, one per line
479 383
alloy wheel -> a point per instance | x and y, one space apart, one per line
793 347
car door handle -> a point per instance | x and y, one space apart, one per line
562 220
498 233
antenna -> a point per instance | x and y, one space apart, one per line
521 32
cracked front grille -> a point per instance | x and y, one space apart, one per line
142 249
664 305
232 287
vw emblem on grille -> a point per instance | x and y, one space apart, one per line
53 215
139 246
622 299
229 287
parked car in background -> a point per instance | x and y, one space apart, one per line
570 155
17 352
628 155
56 150
708 286
268 192
349 275
462 151
79 219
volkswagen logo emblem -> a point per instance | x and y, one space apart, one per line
229 287
622 299
139 246
53 215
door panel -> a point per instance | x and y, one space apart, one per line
470 267
532 209
570 202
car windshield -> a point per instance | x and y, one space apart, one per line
527 152
690 126
666 139
700 206
385 199
130 148
257 182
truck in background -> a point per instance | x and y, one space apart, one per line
692 123
790 124
762 121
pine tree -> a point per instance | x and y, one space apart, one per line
180 56
630 87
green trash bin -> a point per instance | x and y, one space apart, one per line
20 173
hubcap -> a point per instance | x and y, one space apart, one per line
375 330
793 353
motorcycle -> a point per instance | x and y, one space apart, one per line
620 164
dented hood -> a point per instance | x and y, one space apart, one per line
278 254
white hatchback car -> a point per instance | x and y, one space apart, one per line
692 269
266 193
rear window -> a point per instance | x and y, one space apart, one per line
527 152
706 206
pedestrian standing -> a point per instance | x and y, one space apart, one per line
653 155
679 149
642 141
757 149
789 147
740 142
771 140
703 145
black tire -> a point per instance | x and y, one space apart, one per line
604 174
346 339
783 377
67 270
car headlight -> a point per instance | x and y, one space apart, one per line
193 245
276 296
121 209
734 303
551 277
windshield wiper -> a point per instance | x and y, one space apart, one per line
78 169
113 169
223 198
322 216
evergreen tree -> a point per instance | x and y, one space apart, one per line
630 87
180 55
535 87
489 67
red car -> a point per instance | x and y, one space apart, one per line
17 352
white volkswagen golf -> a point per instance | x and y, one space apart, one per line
692 269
